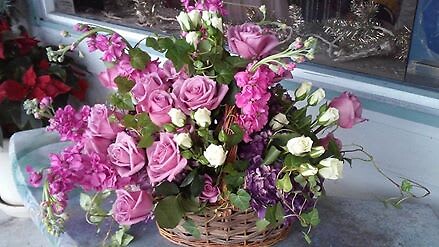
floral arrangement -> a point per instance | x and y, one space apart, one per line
26 73
208 127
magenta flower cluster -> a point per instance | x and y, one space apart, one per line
210 5
111 45
69 123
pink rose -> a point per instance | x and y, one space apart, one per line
95 144
99 123
349 109
330 137
125 155
145 84
210 193
250 41
158 105
198 92
107 77
132 207
164 159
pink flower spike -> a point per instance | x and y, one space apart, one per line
35 178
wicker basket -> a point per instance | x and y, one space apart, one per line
225 227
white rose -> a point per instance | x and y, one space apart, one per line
177 117
183 140
307 170
317 152
316 97
329 117
216 155
299 145
217 22
195 18
202 117
192 38
302 91
332 168
184 21
279 121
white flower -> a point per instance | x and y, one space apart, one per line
195 18
184 21
307 170
217 22
317 152
299 145
192 37
215 155
302 91
183 140
279 121
332 168
316 97
177 117
329 117
202 117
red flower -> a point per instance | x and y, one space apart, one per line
79 91
4 25
44 64
2 51
12 91
44 85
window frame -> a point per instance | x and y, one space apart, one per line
371 88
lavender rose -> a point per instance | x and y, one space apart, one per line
125 155
145 85
198 92
132 207
210 193
349 110
250 41
158 105
164 159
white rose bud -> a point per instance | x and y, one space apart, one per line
195 18
215 155
177 117
192 38
299 145
329 117
184 21
317 152
303 91
183 140
316 97
217 22
307 170
202 117
279 121
332 168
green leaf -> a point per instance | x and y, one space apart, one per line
197 186
189 178
301 180
189 204
281 139
333 149
122 101
406 186
311 218
139 59
237 135
234 180
145 141
191 228
240 200
271 155
168 212
59 71
292 162
204 46
167 188
152 42
284 184
121 238
261 225
85 201
129 121
237 62
124 85
275 214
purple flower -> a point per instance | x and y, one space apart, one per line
210 192
34 177
69 123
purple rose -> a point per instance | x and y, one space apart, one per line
164 159
99 123
132 207
145 84
349 109
107 77
198 92
210 193
250 41
125 155
158 105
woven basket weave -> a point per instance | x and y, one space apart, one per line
225 227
